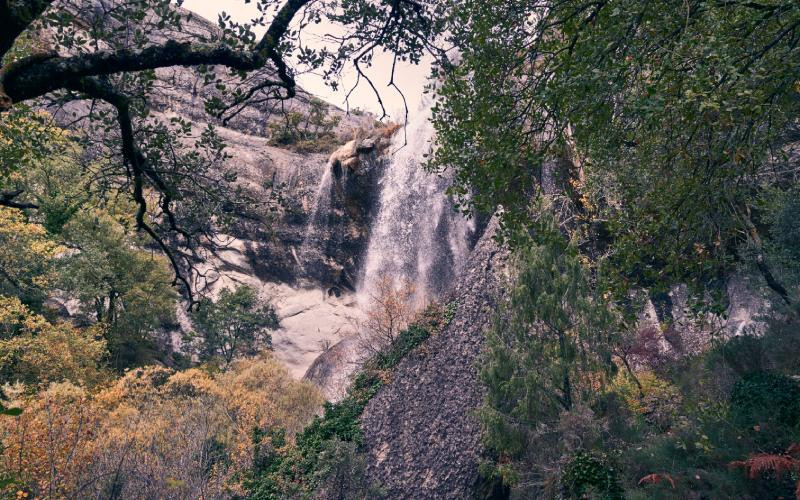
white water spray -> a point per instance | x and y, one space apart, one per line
318 218
417 237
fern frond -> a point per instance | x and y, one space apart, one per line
657 478
764 462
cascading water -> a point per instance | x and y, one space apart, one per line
417 237
318 217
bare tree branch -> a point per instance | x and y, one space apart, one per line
7 200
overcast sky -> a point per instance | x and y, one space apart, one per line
411 79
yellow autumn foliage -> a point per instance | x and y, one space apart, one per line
36 352
26 254
49 448
160 433
26 134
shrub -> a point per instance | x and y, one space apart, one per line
306 132
656 400
765 397
743 354
590 475
389 312
778 472
36 352
341 473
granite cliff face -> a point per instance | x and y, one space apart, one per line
420 432
304 256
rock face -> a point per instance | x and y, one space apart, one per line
339 219
304 256
420 433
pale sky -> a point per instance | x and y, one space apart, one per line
410 78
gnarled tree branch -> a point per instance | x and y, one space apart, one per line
7 200
28 81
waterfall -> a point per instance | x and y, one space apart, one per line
417 237
319 214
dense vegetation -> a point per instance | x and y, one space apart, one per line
642 152
645 156
325 460
87 368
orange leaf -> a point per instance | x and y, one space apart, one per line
762 462
657 478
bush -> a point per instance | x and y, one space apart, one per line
590 475
657 401
341 473
36 352
765 397
306 133
390 310
743 354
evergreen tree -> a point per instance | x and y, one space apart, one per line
549 350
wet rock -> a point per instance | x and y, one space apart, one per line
367 145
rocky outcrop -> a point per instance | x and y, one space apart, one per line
309 275
332 371
420 432
338 223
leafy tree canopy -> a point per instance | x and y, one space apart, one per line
660 122
235 324
117 283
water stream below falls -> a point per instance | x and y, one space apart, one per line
417 236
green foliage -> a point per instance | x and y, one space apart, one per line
766 398
547 358
659 122
670 434
27 258
235 324
28 138
311 467
743 354
118 284
590 475
306 133
786 225
407 340
780 212
36 352
549 346
341 472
